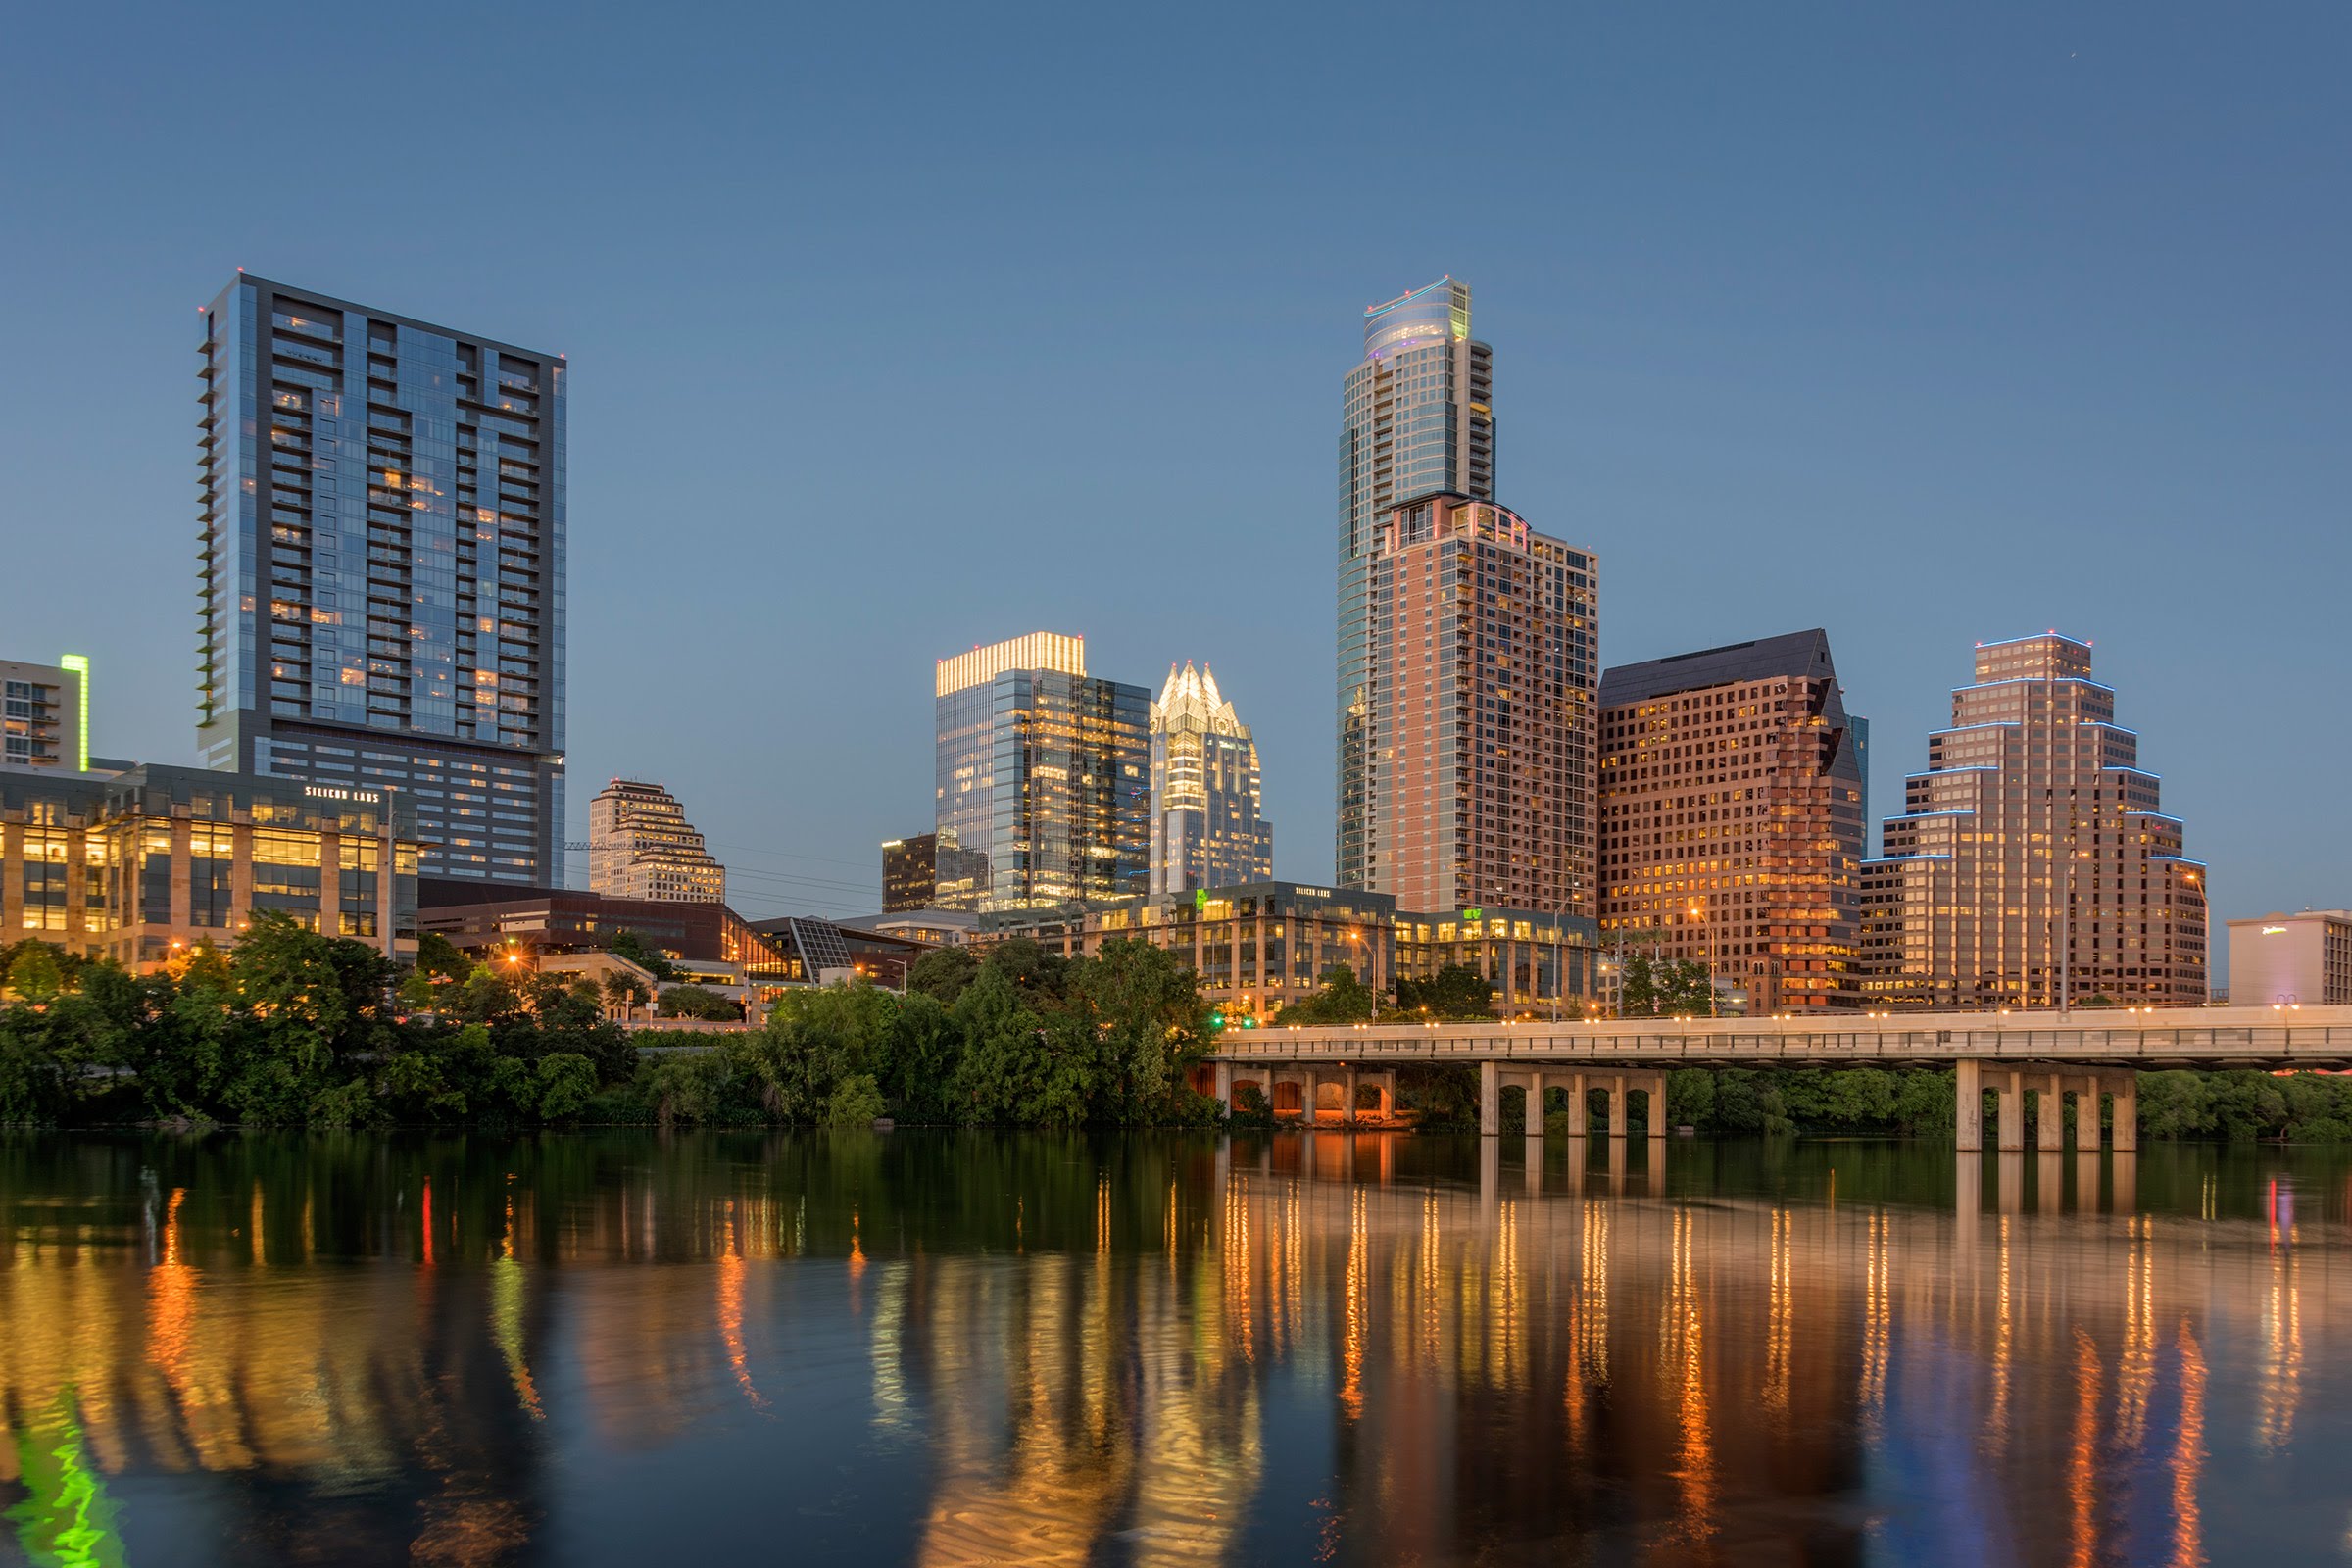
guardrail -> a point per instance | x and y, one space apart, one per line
2223 1036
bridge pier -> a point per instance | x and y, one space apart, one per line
2125 1086
1580 1105
1348 1114
1490 1098
1224 1091
1969 1093
1620 1116
2011 1087
2051 1115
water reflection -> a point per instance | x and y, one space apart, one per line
971 1350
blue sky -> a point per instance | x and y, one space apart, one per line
895 330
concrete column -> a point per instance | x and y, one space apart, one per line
2050 1134
2013 1111
1224 1090
1354 1084
1309 1101
2125 1088
1619 1120
1657 1105
1535 1103
1969 1091
1580 1107
1490 1098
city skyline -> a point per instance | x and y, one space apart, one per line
2017 450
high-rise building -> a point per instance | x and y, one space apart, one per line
909 872
2031 866
1417 420
1732 818
45 713
1205 827
640 846
1483 712
1043 776
388 613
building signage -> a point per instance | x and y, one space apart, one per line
1471 916
327 791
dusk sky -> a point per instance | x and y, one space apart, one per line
894 331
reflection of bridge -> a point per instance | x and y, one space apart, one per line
2049 1054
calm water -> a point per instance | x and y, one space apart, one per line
631 1348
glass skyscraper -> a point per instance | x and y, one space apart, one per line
1041 777
388 613
1419 420
1205 828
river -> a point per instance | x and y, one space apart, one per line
628 1348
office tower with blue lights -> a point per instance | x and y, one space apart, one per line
381 569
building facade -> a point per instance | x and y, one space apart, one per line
1732 818
1417 420
144 865
640 846
2291 960
2031 866
1486 637
1042 776
1259 947
45 713
380 600
1205 827
909 872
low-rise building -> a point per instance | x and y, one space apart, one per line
45 713
1261 946
140 863
2291 960
485 918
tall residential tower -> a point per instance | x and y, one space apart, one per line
1205 828
1418 419
2031 866
1042 778
380 598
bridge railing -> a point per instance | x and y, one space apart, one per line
2315 1036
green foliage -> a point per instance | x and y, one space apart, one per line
1341 998
627 943
1664 987
857 1102
566 1083
1456 993
698 1002
942 974
440 960
34 974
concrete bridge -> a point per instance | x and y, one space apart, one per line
2085 1052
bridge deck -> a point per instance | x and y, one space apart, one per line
2168 1036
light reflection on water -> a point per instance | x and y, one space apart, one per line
957 1349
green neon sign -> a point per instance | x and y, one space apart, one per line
1200 898
79 664
1470 916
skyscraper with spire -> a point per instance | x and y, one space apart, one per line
1205 828
1468 643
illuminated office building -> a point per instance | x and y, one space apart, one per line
1042 775
45 713
2031 866
2291 960
1205 827
1732 818
1484 713
909 872
138 864
381 575
1418 419
640 846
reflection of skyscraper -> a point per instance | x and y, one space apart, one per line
1205 830
383 569
1418 419
1042 776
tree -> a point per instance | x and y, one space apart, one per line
942 974
625 994
1140 1012
440 960
627 943
1341 998
1008 1076
566 1083
1456 993
698 1002
34 973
